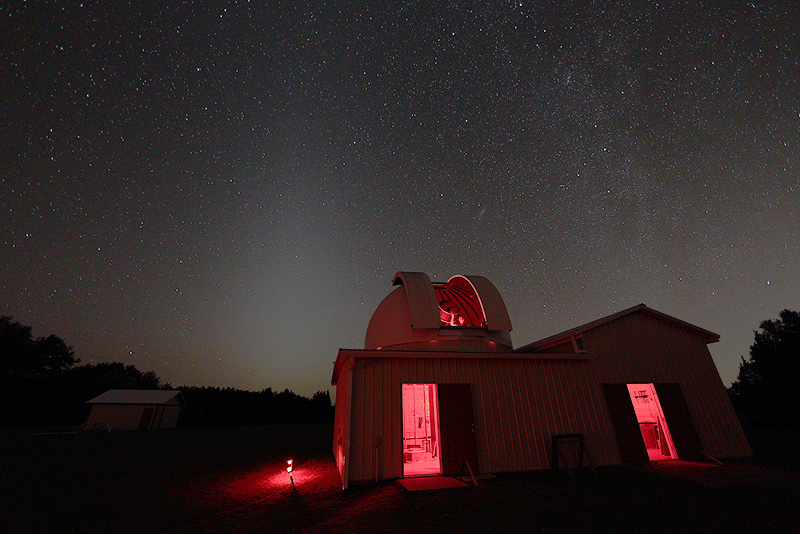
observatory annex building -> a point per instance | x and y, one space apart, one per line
439 389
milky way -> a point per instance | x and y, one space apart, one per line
221 192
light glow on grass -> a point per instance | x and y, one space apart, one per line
270 480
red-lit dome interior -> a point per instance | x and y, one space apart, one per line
466 313
459 304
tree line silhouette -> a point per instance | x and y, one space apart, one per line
213 405
765 390
42 383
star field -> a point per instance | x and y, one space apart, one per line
221 192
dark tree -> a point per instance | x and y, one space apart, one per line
32 373
101 377
210 405
321 407
22 357
767 383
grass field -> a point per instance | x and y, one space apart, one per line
233 479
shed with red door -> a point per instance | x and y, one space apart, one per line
439 388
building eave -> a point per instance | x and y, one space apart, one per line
563 337
346 354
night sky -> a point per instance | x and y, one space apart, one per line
221 192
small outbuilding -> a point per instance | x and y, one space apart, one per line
135 409
439 389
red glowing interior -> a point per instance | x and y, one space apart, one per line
420 430
459 304
651 422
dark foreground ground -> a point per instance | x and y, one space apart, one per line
234 480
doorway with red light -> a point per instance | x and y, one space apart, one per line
652 423
421 451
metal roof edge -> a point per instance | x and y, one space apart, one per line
707 335
138 396
346 354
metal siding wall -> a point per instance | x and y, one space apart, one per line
540 452
518 405
382 400
567 415
538 398
169 416
605 446
553 411
581 408
364 410
513 455
391 439
728 424
549 420
495 445
714 418
639 348
340 419
495 427
369 423
118 416
356 423
397 418
519 430
603 443
525 416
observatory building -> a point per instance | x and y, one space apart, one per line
439 389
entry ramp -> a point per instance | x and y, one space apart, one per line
430 483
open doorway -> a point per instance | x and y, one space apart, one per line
421 430
652 423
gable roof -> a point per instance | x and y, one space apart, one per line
542 344
139 396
